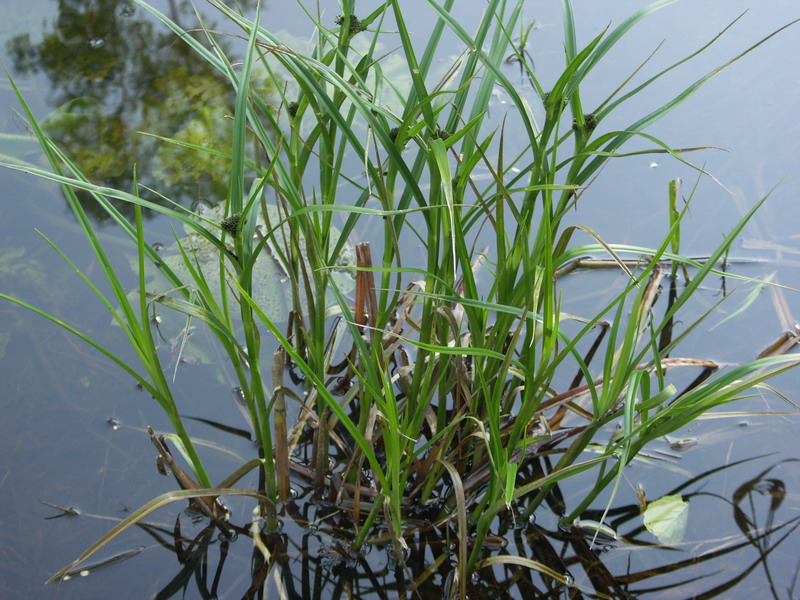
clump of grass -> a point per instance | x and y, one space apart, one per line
434 391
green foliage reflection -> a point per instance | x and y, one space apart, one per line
113 73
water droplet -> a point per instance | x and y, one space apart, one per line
569 580
85 573
229 536
294 494
607 547
394 558
66 578
96 43
115 425
653 165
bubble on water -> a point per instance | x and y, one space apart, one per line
653 165
228 536
452 547
115 425
96 43
328 562
294 494
569 580
475 579
394 558
66 578
607 547
84 573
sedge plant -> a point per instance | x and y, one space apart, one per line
432 388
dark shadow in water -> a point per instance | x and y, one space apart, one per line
113 72
310 558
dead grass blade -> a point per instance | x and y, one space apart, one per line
461 510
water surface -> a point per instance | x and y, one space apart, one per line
58 446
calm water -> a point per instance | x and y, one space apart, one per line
58 446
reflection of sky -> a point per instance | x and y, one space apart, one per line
749 109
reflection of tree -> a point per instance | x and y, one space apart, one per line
128 74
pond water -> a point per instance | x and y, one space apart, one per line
73 431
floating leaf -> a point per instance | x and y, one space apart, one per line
666 518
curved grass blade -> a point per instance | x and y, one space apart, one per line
148 508
461 512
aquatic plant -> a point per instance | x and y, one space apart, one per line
438 390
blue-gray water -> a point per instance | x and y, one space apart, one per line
57 446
